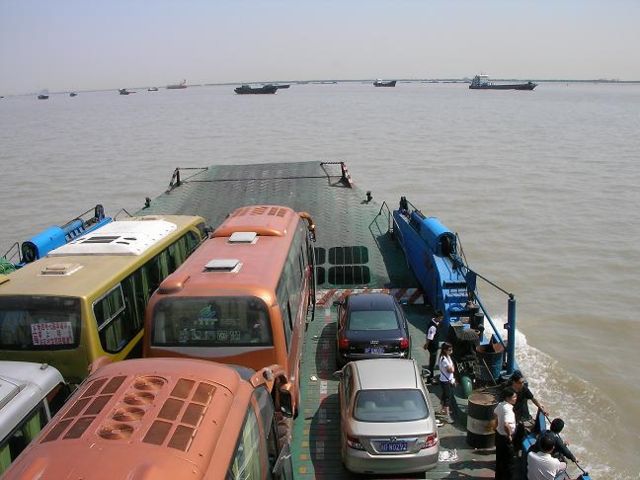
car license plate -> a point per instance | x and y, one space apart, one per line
374 350
393 446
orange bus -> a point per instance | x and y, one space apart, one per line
166 419
242 297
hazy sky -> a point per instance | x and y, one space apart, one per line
87 44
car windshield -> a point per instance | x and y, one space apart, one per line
390 406
373 320
39 322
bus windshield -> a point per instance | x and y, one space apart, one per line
39 322
211 322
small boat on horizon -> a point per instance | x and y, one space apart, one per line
249 90
43 95
481 82
152 89
380 83
124 91
177 86
73 94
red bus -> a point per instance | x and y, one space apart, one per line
243 297
166 418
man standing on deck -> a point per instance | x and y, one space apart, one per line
505 430
521 408
432 344
524 421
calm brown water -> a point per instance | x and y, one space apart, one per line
542 187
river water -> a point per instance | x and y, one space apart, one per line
542 186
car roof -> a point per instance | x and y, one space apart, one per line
371 301
386 373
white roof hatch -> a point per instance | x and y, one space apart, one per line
126 237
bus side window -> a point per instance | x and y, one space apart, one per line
24 434
157 269
192 239
283 304
247 462
117 318
135 299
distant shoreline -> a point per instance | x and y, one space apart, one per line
334 81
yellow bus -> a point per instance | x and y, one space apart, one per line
167 418
87 298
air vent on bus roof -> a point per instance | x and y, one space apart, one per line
243 237
126 237
60 269
260 210
223 265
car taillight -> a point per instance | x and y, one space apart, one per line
404 343
354 442
343 344
428 441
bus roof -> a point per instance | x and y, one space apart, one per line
141 419
118 238
252 265
22 386
69 272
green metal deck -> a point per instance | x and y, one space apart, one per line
355 249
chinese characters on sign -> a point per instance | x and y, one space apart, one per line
52 333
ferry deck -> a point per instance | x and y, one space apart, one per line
355 250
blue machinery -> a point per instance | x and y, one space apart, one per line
56 236
449 284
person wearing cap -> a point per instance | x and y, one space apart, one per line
431 343
542 465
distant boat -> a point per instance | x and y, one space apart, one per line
247 89
44 95
176 86
124 91
73 94
380 83
481 82
152 89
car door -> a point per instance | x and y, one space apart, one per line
345 392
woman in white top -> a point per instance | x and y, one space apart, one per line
447 379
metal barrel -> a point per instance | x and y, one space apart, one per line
477 320
480 422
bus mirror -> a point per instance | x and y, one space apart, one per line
337 374
285 402
98 363
337 303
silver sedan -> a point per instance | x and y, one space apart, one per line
387 423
